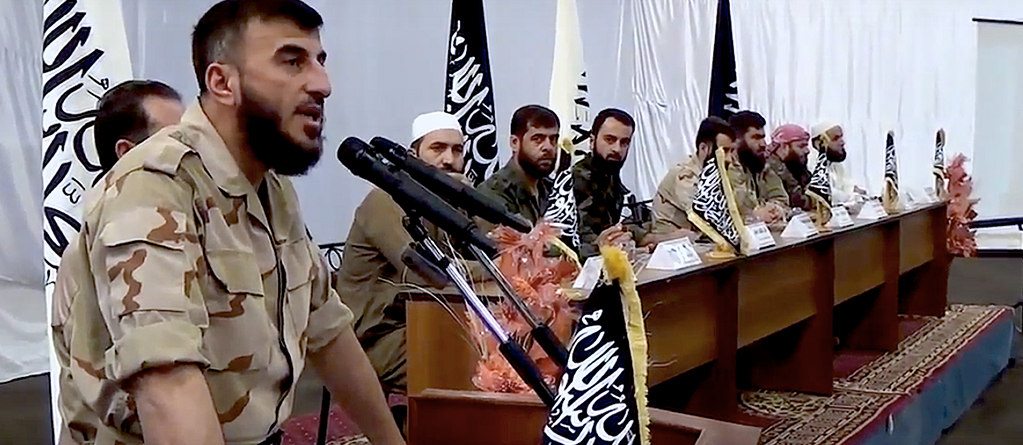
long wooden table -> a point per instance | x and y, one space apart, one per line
768 320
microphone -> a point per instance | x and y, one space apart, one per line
454 191
409 194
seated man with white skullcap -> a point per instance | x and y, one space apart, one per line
828 142
372 272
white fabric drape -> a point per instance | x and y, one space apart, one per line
673 44
873 65
23 345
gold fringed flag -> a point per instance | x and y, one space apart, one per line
939 163
714 210
602 394
818 191
891 176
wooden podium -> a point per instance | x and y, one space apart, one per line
769 320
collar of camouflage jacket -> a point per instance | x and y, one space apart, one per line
201 136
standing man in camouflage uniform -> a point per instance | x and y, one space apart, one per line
189 305
372 271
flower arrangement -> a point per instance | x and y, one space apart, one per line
961 239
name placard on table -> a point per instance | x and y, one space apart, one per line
761 235
800 227
840 218
872 211
674 255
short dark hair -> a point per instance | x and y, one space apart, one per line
618 115
710 128
218 33
537 116
742 121
121 115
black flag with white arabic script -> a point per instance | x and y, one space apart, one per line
724 92
891 174
939 162
820 180
711 211
468 91
596 401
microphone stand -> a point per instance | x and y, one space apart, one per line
511 350
540 332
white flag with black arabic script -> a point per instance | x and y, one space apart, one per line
85 52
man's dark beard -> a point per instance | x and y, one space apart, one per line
796 166
605 166
268 141
836 157
532 169
752 162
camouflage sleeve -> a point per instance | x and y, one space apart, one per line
773 189
146 261
328 316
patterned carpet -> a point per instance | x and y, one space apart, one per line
341 430
867 396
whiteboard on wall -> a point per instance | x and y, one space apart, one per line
998 139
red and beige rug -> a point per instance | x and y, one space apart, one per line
868 390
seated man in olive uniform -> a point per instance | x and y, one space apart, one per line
372 273
522 184
789 149
599 191
759 192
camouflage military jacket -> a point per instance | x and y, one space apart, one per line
508 186
600 198
753 189
795 187
179 262
675 196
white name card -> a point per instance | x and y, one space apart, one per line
914 199
931 195
590 274
872 211
800 227
761 236
674 255
839 218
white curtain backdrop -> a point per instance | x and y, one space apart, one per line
908 65
23 347
873 65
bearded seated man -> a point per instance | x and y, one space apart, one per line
759 192
372 273
523 185
599 191
674 198
790 147
828 155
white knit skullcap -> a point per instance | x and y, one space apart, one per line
822 127
433 121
